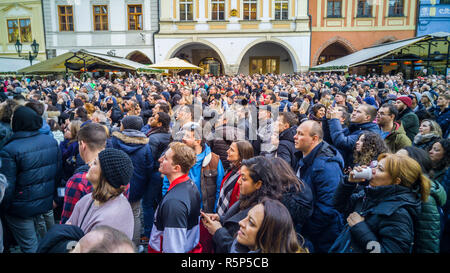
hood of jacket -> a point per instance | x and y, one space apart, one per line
288 134
130 140
397 129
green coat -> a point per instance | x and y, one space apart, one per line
410 122
397 138
428 225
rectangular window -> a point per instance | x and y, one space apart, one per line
264 65
135 17
218 10
364 8
250 9
65 18
100 17
186 10
281 9
395 8
19 29
334 8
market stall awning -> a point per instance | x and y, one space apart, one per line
175 64
78 60
373 53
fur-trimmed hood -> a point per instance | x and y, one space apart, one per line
131 137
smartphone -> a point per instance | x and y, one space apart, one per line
61 191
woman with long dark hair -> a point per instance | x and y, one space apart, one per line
229 191
268 228
257 181
367 149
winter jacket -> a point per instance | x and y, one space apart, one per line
207 174
5 133
321 170
286 147
221 139
428 226
299 205
60 238
159 141
135 144
410 123
443 119
31 162
265 132
397 138
70 155
346 143
389 213
224 236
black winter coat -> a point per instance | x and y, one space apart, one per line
286 147
224 236
31 162
299 205
389 214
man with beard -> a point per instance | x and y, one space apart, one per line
409 120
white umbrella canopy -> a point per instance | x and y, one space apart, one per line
175 64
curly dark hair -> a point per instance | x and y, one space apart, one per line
373 146
445 162
261 169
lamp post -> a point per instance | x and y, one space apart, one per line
31 55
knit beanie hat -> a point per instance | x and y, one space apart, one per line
116 167
26 119
418 96
406 100
132 122
371 101
429 96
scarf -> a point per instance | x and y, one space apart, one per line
226 190
419 139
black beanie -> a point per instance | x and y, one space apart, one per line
116 166
26 119
132 122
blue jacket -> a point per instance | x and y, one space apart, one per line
344 140
283 104
5 133
321 169
195 175
135 144
31 163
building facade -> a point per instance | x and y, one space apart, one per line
434 16
115 27
341 27
236 36
21 20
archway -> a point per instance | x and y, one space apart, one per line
332 52
201 55
267 57
138 57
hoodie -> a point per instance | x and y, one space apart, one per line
397 138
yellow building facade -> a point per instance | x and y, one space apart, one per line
21 20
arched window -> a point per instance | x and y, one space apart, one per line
211 66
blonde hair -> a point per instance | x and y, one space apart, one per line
74 128
409 172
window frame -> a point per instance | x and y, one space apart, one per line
334 9
281 2
365 2
66 15
135 17
19 27
218 11
396 7
186 3
250 3
101 15
264 63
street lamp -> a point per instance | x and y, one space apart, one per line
31 55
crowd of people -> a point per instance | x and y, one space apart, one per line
302 163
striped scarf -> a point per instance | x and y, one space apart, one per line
226 190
